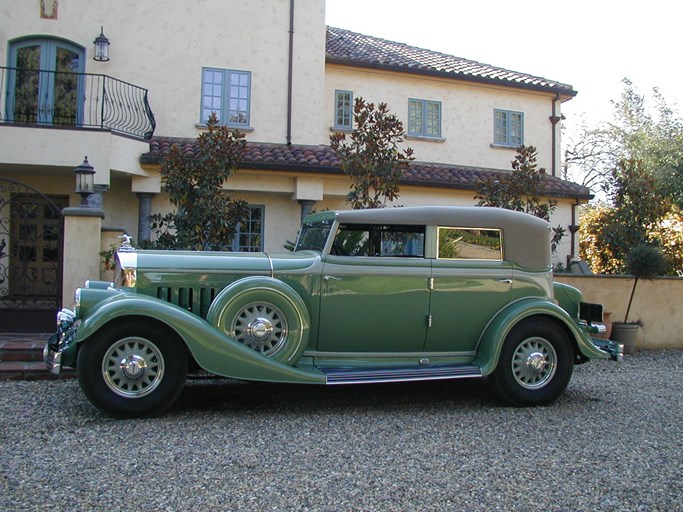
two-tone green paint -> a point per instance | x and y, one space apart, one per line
360 312
211 349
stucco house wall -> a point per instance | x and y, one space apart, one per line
467 114
163 48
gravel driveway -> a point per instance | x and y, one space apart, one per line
614 441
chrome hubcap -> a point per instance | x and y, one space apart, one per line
534 363
260 326
260 329
133 367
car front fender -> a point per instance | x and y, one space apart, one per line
491 341
213 350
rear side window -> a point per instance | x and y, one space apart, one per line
470 244
379 241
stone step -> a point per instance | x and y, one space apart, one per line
21 357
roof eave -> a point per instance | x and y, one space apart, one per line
564 91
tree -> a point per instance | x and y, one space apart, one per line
521 190
372 158
653 136
206 217
636 215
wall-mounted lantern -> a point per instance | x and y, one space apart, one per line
85 181
101 47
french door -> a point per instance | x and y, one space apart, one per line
46 85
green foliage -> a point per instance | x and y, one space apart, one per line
638 215
667 234
651 135
372 158
206 217
645 261
521 190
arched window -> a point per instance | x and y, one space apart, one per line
45 82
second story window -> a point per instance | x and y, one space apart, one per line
508 128
343 110
227 93
424 118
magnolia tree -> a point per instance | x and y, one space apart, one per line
372 157
206 218
521 190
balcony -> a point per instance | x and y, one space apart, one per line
30 97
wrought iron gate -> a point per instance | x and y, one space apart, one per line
31 228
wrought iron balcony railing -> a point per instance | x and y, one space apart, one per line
74 100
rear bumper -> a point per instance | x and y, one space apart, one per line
613 348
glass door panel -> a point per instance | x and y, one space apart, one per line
46 86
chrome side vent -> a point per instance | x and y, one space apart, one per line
197 301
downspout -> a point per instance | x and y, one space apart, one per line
573 228
554 119
289 77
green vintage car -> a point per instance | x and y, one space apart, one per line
387 295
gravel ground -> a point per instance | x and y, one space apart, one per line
612 442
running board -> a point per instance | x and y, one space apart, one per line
402 374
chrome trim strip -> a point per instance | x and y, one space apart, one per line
402 374
385 355
270 262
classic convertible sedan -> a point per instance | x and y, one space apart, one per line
386 295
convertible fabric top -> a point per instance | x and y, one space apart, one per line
526 238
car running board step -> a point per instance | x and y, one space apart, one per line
401 374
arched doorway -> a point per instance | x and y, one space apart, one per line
31 229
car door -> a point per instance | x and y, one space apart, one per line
471 283
375 292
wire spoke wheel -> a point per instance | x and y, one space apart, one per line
534 362
133 367
260 326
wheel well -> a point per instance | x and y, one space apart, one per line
133 321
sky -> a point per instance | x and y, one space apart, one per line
590 45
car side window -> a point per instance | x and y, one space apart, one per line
470 244
379 241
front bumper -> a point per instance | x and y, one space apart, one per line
60 342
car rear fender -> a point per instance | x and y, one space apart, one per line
491 341
211 349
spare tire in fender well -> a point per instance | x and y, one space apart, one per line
264 314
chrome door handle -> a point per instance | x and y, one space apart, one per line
331 278
505 281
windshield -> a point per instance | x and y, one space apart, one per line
314 235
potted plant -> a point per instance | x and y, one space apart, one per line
642 262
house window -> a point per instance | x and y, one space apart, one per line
343 110
227 93
424 118
508 128
249 235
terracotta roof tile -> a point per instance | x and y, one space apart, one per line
322 159
351 48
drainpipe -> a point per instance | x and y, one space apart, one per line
289 77
554 119
573 228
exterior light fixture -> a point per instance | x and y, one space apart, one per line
85 181
101 47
